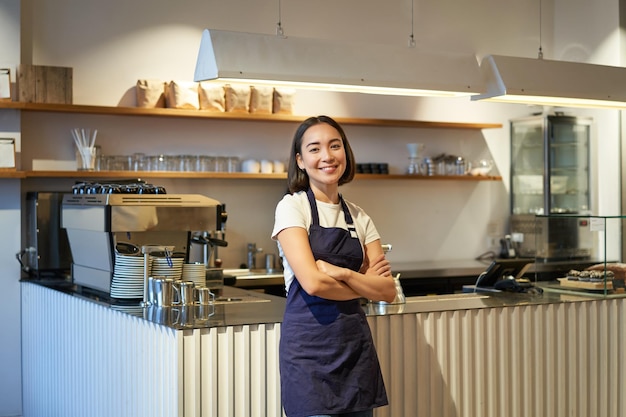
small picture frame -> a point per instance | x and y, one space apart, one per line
5 84
7 154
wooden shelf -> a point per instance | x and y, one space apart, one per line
165 112
9 173
150 174
223 175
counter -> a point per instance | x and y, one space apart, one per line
418 278
440 269
242 308
438 277
458 354
429 277
238 307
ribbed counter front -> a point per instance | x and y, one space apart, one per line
84 355
458 354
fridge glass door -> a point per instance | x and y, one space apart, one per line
527 166
568 140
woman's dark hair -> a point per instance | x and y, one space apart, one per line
298 179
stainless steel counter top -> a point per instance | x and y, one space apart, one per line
471 301
229 309
440 269
407 270
269 309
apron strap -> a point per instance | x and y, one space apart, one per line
349 221
315 218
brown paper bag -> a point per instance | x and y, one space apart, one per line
183 95
283 100
261 99
212 97
237 98
151 93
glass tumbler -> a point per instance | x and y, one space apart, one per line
221 164
138 162
233 164
207 163
86 158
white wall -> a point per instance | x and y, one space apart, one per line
113 43
10 352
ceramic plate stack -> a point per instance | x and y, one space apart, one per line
135 310
128 277
167 267
195 272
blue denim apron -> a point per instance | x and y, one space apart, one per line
328 362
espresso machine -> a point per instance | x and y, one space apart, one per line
97 224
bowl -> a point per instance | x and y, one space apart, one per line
480 171
481 168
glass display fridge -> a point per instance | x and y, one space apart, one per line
549 176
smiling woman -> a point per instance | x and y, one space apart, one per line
332 257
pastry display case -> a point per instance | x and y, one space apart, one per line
599 237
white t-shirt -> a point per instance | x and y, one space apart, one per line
294 210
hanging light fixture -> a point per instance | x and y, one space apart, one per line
331 65
551 83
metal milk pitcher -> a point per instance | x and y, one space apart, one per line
163 291
185 293
205 296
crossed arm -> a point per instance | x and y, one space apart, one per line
329 281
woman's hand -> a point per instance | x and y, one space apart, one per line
297 250
374 281
379 266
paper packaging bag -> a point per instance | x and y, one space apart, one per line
5 84
212 97
261 99
283 100
7 154
151 93
182 95
237 98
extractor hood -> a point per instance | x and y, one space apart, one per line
552 83
337 66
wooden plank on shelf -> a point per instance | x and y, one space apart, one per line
428 177
415 123
44 84
244 117
150 174
238 175
11 173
